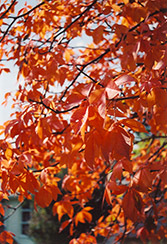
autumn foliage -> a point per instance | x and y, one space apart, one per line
97 109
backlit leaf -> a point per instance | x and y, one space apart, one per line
134 125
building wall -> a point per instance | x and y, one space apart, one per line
14 223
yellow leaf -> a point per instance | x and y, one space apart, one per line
67 55
8 153
40 130
79 218
87 208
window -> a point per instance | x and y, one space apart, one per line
26 216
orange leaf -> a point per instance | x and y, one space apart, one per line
67 55
124 79
64 225
6 237
79 119
61 208
40 130
87 216
2 211
82 216
87 208
79 218
134 125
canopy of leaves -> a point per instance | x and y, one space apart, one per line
83 107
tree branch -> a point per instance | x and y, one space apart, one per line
53 110
124 98
10 6
17 17
83 67
6 32
94 81
68 26
158 150
13 211
149 138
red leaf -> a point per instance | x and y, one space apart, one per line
117 171
143 234
116 189
98 99
112 89
2 211
132 205
142 180
97 34
116 143
127 165
43 197
92 149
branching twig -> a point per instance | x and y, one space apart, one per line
13 211
5 33
17 17
124 98
65 91
94 81
157 151
82 69
40 170
75 20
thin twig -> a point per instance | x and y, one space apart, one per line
82 69
124 98
13 211
94 81
149 138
